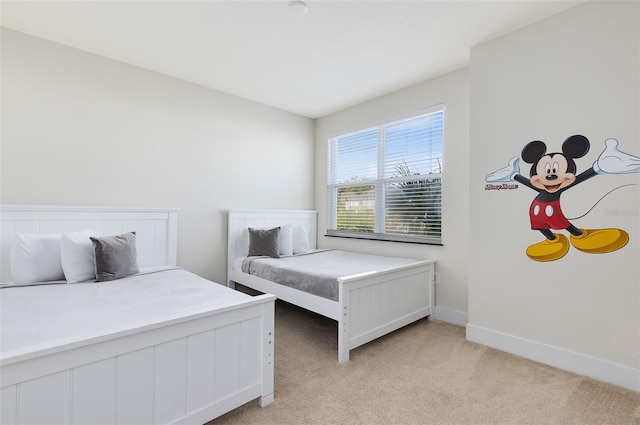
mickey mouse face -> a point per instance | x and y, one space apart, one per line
552 174
554 171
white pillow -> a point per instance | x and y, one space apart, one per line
36 258
286 240
301 244
76 253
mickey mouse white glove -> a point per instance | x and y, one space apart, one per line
505 174
613 161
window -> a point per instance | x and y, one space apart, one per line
385 182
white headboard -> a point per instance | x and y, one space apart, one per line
156 229
241 220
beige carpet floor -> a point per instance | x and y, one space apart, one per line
425 373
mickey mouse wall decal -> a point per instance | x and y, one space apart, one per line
552 174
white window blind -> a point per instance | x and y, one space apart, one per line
385 182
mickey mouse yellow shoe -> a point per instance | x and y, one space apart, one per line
598 241
549 250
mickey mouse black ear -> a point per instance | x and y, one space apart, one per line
576 146
533 151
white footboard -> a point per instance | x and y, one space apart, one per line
189 370
369 305
375 304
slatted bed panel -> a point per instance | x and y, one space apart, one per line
153 377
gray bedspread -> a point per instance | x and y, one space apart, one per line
318 272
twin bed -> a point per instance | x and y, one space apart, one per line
373 295
163 345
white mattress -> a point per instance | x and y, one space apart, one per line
318 272
37 318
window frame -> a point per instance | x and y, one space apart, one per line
379 182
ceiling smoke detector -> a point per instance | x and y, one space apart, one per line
298 7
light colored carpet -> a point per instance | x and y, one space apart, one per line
425 373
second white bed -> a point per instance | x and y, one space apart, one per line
369 304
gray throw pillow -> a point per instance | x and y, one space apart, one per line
264 242
116 256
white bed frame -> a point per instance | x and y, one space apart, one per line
369 305
189 369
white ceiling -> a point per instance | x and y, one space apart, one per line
339 54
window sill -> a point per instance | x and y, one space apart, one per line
386 238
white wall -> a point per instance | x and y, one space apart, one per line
575 73
80 129
452 90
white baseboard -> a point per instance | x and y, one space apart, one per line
601 370
450 315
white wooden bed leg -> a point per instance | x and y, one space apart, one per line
344 334
343 343
269 350
265 400
432 294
